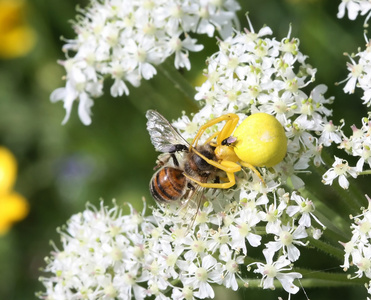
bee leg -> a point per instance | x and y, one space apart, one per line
224 165
190 186
175 160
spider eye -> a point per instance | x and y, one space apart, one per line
229 141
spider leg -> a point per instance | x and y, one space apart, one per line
229 166
211 138
224 165
252 168
228 128
225 185
232 120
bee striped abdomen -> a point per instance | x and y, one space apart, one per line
168 184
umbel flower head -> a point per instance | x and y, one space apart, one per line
254 73
173 255
125 40
357 250
108 255
358 144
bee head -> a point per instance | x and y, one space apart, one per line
208 152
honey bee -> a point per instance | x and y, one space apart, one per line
179 166
259 141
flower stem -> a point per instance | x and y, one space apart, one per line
312 278
367 172
327 248
321 278
171 73
325 279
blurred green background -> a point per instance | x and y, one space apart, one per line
60 168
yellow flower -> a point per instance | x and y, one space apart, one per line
8 171
13 206
17 38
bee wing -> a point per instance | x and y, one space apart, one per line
163 135
191 206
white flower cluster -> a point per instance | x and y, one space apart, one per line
180 252
360 74
354 8
108 255
357 250
124 40
359 143
253 73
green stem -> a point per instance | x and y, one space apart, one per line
312 279
336 230
327 248
367 172
329 280
177 79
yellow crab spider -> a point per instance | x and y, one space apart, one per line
259 141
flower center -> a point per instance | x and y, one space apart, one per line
110 291
141 55
364 264
198 246
171 260
307 207
116 254
365 227
201 217
356 70
187 293
128 279
138 252
270 271
201 274
232 266
154 268
286 238
232 63
176 12
272 215
244 229
341 169
175 44
280 107
292 85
